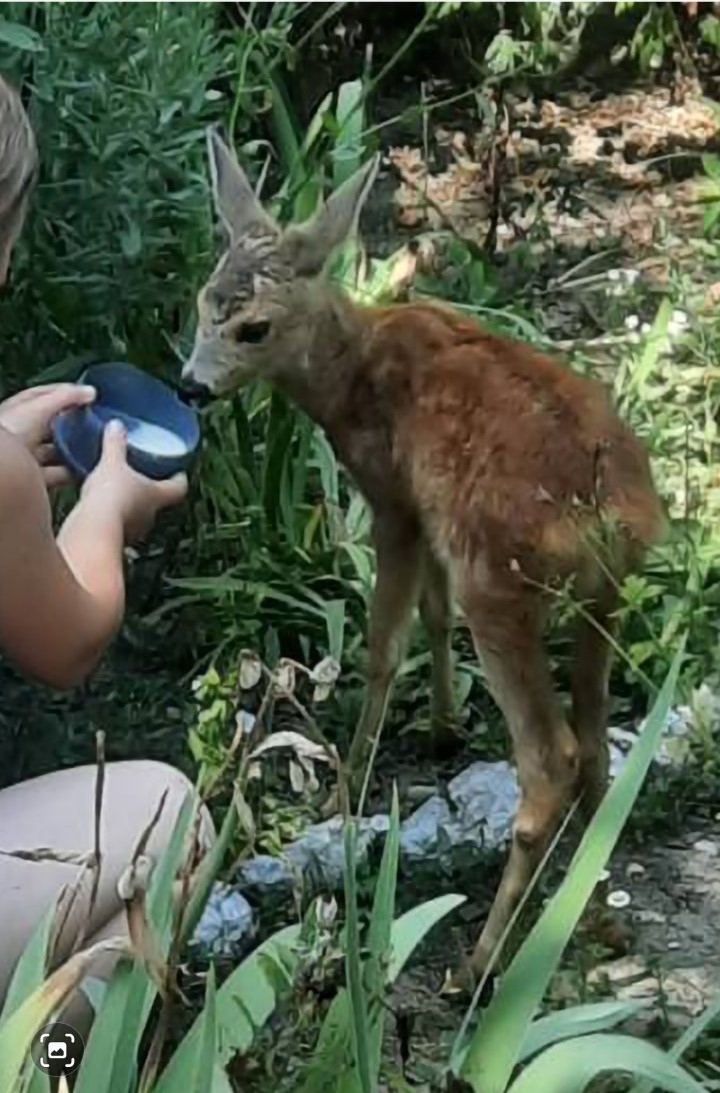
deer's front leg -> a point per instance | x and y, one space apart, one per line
397 587
436 612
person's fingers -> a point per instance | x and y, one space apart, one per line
173 490
57 397
114 445
56 476
47 454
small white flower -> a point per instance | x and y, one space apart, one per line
632 322
634 338
618 899
679 318
604 876
631 275
614 274
635 869
645 328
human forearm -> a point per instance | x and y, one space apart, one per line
91 540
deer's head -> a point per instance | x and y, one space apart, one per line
253 315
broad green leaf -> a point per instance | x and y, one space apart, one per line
244 1002
571 1066
335 623
30 969
350 118
576 1021
331 1066
568 1024
16 1033
496 1045
409 930
20 37
695 1029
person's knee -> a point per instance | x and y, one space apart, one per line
158 782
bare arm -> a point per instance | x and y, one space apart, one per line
60 602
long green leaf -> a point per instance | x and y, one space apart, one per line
201 1073
353 964
207 873
380 938
571 1066
110 1060
654 345
496 1045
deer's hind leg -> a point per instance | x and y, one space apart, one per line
507 629
399 550
590 680
436 612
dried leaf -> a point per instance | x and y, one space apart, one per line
250 670
297 777
326 671
311 778
284 678
322 692
132 888
46 853
302 747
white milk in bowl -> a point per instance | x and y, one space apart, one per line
154 439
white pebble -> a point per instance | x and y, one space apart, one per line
618 899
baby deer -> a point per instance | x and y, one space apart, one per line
492 471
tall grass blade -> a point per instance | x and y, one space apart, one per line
496 1045
353 965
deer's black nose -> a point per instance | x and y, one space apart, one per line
194 393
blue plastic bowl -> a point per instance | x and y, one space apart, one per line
163 432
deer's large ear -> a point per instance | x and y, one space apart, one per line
308 246
235 201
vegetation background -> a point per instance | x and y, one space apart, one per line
272 552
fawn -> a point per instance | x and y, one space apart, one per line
492 472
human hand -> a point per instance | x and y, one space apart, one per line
29 416
124 493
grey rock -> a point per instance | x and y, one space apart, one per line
227 925
314 860
475 818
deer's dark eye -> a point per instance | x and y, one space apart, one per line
253 332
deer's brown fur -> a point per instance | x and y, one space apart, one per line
492 471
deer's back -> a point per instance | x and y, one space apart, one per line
507 454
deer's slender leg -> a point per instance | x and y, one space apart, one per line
397 588
590 678
437 617
507 631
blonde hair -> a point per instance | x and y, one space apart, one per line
18 153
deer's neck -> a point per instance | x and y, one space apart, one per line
325 382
